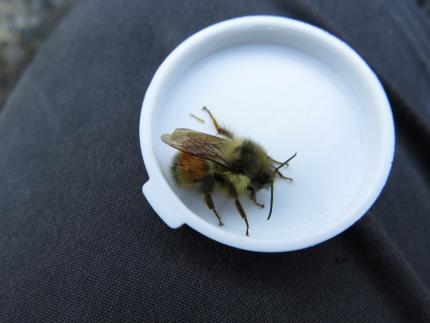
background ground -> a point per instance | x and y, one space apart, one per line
24 24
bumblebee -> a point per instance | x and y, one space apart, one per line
226 163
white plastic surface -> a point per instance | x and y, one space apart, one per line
292 88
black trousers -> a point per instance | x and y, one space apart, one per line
78 241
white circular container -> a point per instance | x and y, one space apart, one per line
293 88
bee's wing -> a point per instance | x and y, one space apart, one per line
198 144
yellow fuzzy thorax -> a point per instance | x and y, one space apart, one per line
229 147
240 182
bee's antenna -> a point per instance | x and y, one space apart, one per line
271 201
271 185
285 163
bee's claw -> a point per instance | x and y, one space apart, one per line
197 118
283 176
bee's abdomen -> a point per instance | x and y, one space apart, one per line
188 169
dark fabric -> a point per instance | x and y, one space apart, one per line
78 241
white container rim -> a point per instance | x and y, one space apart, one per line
174 212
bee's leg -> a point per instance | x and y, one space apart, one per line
282 163
254 198
197 118
283 176
221 130
275 161
211 206
242 214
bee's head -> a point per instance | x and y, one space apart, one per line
261 178
253 167
264 176
251 160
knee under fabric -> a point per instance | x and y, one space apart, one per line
78 241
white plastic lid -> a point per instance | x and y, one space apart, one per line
293 88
